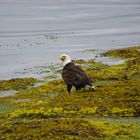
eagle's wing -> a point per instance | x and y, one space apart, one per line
74 75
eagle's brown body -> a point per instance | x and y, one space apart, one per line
73 75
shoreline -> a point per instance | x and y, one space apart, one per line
50 70
112 111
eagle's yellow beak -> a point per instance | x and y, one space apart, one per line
62 58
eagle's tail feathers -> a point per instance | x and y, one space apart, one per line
93 88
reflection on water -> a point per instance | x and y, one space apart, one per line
35 33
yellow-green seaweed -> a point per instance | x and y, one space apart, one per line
49 112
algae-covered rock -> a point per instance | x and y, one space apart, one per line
125 52
17 83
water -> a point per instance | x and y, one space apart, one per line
33 33
7 93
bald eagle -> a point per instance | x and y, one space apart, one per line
73 75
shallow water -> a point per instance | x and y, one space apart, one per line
7 93
126 120
33 33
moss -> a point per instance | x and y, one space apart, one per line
49 112
49 77
108 73
123 112
80 61
124 53
88 110
50 129
16 84
67 128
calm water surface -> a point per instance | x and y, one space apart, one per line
34 32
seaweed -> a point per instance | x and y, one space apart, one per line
49 112
17 83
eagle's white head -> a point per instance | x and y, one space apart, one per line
65 59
